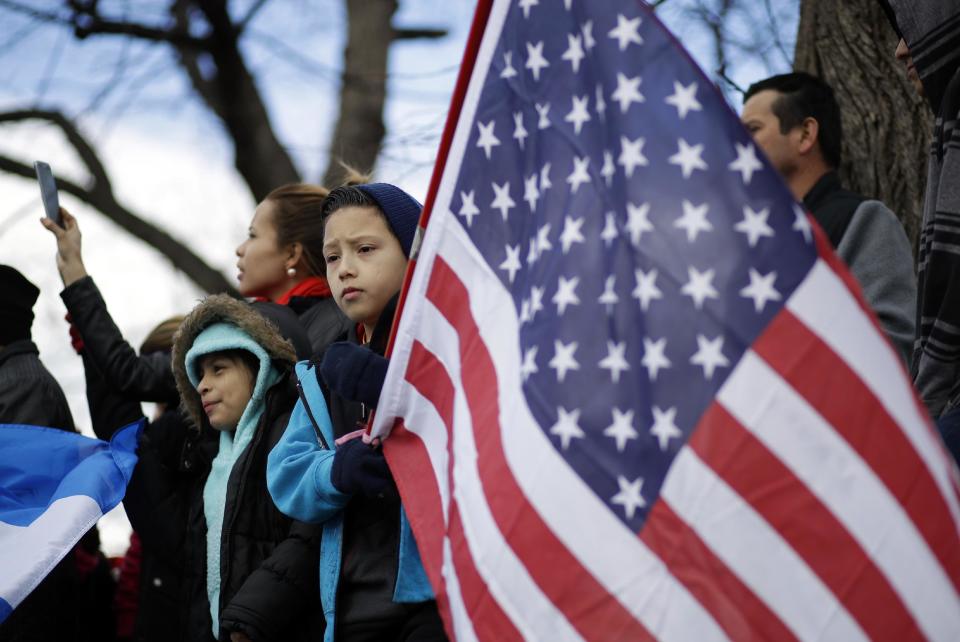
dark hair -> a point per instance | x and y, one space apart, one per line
805 96
297 217
160 338
247 358
348 196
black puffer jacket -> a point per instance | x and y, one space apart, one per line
269 563
322 319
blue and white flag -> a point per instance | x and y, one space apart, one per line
54 486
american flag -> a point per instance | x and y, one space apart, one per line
633 395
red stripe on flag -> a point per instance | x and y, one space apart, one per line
408 458
427 374
860 419
738 611
804 522
588 606
829 256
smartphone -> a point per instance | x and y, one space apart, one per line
48 191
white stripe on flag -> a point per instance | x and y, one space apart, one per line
755 552
28 553
785 423
462 624
505 575
825 306
615 556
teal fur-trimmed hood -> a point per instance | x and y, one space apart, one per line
221 308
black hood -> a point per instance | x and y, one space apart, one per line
931 29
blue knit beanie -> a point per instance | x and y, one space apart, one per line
401 209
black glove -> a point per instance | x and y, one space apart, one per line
359 468
354 372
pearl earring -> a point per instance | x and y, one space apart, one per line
291 272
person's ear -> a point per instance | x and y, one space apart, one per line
294 254
809 135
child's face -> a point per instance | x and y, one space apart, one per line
365 263
225 387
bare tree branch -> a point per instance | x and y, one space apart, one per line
99 194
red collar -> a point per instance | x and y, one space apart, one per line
313 286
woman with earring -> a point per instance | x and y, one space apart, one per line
282 261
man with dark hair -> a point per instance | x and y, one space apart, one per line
929 48
795 120
28 392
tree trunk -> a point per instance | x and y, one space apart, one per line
360 129
229 90
886 125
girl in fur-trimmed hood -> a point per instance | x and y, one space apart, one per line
251 572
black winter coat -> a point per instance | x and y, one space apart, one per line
322 319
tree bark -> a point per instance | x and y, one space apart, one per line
360 130
886 125
230 92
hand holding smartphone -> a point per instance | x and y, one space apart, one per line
48 191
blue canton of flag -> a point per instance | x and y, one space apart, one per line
644 243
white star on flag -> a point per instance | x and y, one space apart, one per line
626 32
654 357
571 233
508 70
567 427
621 430
563 360
615 361
688 158
543 120
709 355
694 220
609 169
502 200
512 263
631 155
579 175
543 239
487 140
801 223
535 60
601 104
610 232
761 289
529 365
468 209
638 221
545 183
747 162
609 296
530 192
519 131
627 92
684 99
579 113
587 30
754 225
536 301
574 52
566 294
646 289
664 428
700 286
526 5
630 496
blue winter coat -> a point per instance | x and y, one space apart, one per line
298 477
